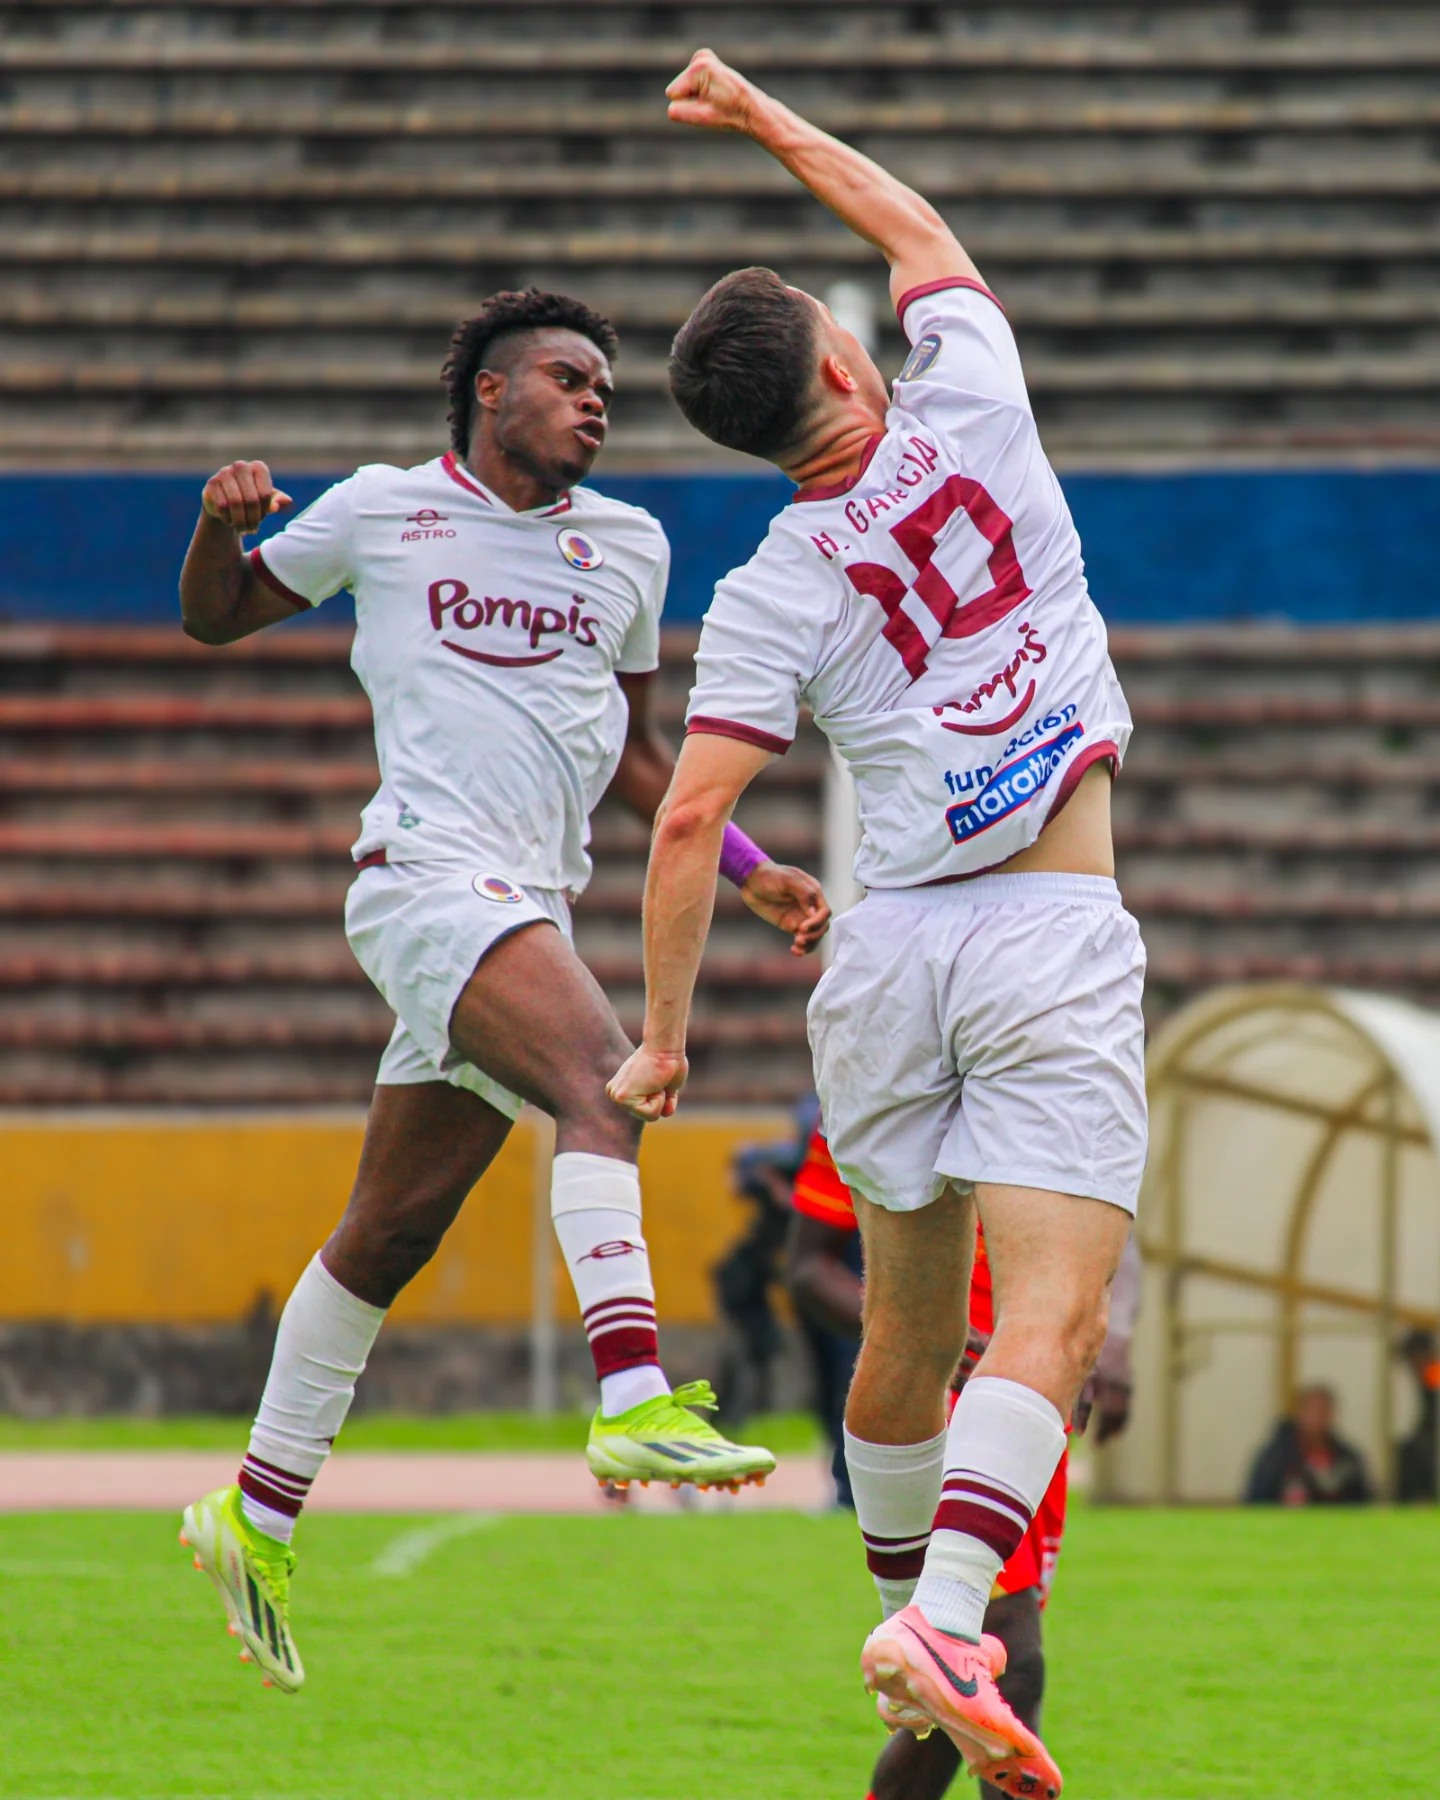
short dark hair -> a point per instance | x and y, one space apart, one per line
742 364
529 310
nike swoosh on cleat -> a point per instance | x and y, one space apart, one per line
966 1689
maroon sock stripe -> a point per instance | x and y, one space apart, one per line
265 1495
986 1485
619 1350
896 1558
612 1320
897 1565
632 1304
1007 1504
1000 1534
281 1477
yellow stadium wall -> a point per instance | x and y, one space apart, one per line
186 1220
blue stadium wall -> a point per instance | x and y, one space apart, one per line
1316 547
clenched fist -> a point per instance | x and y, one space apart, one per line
709 92
242 494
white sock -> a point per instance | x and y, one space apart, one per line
896 1488
320 1351
1000 1453
595 1203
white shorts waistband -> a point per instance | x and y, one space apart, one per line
983 890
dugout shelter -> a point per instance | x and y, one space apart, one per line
1290 1224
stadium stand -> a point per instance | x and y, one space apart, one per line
248 228
158 948
1214 222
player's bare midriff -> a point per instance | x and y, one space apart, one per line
1075 841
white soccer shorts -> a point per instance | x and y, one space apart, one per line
419 931
986 1030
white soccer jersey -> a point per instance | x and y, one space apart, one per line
932 613
488 641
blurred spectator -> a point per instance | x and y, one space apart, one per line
764 1175
1416 1474
1305 1463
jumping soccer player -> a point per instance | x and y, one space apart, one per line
507 635
828 1290
978 1037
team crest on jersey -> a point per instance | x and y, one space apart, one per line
921 357
498 889
578 551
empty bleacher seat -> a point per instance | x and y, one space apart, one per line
1213 223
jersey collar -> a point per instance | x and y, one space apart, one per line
462 477
832 489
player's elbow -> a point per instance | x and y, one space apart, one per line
203 630
689 819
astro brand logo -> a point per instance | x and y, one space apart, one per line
454 608
578 551
1012 786
428 524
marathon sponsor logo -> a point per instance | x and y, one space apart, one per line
428 524
970 780
1006 680
454 608
1014 784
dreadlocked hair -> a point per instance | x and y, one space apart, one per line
529 310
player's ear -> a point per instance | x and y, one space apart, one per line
489 387
836 375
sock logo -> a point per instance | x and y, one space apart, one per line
614 1247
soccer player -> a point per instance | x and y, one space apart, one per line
507 633
978 1036
828 1290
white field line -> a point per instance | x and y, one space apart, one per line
404 1554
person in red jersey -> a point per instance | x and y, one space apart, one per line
829 1293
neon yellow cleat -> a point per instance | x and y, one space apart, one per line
252 1573
662 1440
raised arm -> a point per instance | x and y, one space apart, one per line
221 596
905 228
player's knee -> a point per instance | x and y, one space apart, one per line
1067 1329
586 1118
378 1256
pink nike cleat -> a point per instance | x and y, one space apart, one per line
922 1677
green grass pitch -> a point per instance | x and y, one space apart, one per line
705 1658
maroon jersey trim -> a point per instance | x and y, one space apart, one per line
832 488
935 287
745 734
275 584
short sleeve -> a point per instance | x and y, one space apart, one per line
750 668
312 558
640 653
961 344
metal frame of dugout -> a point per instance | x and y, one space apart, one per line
1290 1224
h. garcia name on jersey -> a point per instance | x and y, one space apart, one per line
1024 770
454 608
